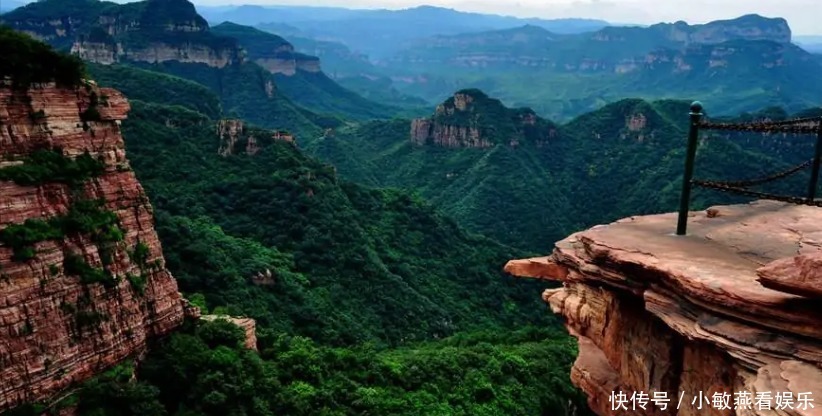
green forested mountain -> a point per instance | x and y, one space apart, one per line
733 66
351 70
624 159
348 262
378 32
255 74
300 77
204 370
367 300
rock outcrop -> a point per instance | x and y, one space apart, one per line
74 303
152 31
236 137
248 325
471 119
268 50
686 318
665 48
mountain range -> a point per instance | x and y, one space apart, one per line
525 181
734 66
810 43
180 42
360 240
367 299
378 32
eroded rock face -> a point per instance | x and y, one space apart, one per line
157 52
54 329
471 119
687 315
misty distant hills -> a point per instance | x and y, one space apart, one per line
812 44
377 32
9 5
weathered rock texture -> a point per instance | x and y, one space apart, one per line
686 315
153 31
284 60
55 330
471 119
236 137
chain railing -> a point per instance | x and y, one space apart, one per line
796 126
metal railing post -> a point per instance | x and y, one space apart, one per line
816 159
685 199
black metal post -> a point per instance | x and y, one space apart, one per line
816 159
685 199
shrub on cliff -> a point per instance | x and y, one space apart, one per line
28 61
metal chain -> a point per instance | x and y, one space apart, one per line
811 125
761 127
762 195
774 177
792 121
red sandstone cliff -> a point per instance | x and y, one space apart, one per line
731 309
54 329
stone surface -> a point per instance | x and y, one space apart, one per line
46 341
687 315
800 275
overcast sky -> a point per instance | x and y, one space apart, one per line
804 16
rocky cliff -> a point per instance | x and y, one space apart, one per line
615 50
83 283
471 119
268 50
151 31
723 321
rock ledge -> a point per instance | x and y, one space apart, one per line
731 308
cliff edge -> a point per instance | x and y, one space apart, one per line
83 283
723 321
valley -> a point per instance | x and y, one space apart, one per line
351 187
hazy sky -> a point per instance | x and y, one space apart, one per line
804 16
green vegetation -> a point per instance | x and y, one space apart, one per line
140 254
205 371
75 265
28 61
138 282
598 168
138 84
84 217
313 90
351 264
575 74
246 91
22 237
92 113
44 166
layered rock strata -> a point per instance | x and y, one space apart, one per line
722 321
58 328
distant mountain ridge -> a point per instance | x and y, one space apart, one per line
300 76
170 36
527 190
105 32
378 32
743 64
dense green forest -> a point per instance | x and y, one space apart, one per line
367 300
598 168
310 89
371 264
204 370
351 264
